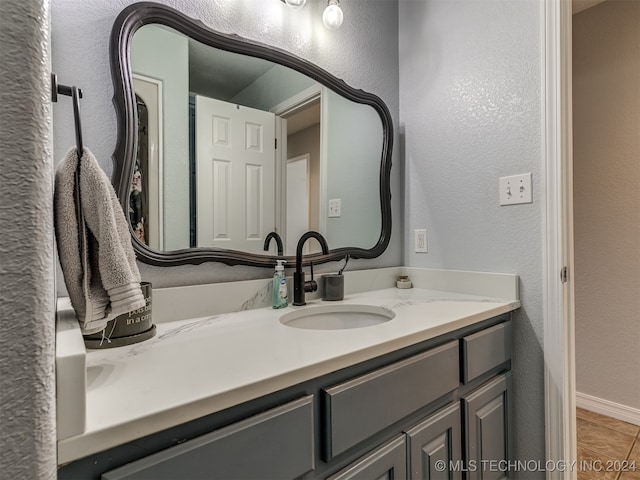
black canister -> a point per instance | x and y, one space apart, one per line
333 287
131 327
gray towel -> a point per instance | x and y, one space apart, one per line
95 251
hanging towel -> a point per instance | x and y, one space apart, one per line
95 251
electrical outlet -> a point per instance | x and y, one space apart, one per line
420 240
515 189
335 207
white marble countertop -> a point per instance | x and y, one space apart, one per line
199 366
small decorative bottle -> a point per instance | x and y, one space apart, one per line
279 296
403 281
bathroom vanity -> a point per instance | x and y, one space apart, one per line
386 383
244 395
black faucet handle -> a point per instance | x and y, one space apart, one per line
310 285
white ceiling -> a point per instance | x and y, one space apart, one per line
225 73
579 5
303 119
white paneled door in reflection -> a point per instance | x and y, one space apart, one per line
235 162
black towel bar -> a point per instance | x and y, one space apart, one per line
76 94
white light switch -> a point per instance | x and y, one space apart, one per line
516 189
335 207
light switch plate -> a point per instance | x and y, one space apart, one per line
335 207
516 189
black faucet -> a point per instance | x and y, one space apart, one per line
299 285
276 237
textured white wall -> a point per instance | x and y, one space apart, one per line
364 52
606 159
470 112
27 386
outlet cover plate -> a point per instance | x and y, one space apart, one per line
420 240
516 189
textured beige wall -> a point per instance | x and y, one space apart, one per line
27 387
606 96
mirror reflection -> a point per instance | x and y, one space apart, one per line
233 147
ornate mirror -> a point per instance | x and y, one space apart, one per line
222 140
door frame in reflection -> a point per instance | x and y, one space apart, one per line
150 91
297 194
287 108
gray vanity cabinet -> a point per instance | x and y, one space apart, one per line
388 462
434 446
486 407
357 409
487 429
434 410
417 454
275 444
485 350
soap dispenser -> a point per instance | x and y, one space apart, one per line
279 296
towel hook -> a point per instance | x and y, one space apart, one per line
76 94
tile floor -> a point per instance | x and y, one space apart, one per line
607 447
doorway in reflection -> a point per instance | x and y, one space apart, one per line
302 175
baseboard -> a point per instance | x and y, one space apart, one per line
608 408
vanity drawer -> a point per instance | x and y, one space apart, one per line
357 409
485 350
275 444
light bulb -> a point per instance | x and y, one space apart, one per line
295 4
332 16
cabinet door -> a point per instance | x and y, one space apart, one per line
487 429
388 462
435 446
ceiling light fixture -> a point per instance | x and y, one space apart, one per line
332 17
295 4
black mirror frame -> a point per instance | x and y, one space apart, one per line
135 16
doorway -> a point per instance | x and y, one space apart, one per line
606 212
300 155
302 175
558 245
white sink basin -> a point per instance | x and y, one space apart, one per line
337 317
